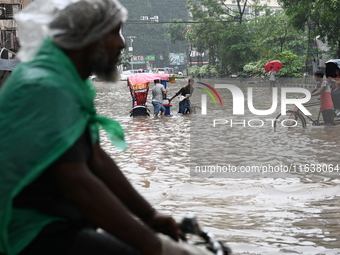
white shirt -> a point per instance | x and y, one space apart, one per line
157 93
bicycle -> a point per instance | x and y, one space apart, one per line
295 118
192 108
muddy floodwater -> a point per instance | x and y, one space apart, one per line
289 214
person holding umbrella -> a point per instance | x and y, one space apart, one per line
272 79
272 68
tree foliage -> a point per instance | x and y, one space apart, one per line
319 16
206 10
232 45
292 64
274 34
177 31
222 32
124 59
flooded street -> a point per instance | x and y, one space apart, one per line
295 213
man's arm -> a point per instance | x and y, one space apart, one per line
107 171
99 206
319 91
164 90
179 92
314 90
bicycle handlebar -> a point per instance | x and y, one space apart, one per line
189 225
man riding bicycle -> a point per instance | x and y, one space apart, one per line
185 92
60 192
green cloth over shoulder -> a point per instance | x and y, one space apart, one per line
44 108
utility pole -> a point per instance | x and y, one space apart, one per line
131 48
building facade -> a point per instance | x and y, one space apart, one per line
250 12
8 28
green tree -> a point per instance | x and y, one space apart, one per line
232 45
177 31
194 71
230 48
292 64
319 16
221 32
125 59
236 47
219 10
274 34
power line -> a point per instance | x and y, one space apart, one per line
138 22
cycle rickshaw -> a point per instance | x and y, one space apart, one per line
295 117
139 88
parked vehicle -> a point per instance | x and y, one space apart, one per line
169 70
160 70
136 71
165 70
125 75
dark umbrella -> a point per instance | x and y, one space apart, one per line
331 66
275 64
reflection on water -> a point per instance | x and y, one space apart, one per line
256 216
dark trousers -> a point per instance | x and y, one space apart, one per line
183 107
62 238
